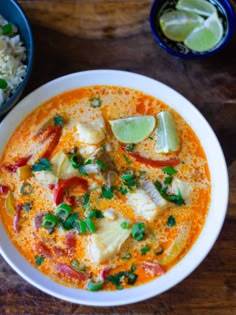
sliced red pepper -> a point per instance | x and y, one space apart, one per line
4 189
17 218
67 271
70 243
20 162
64 184
55 134
43 250
154 163
153 269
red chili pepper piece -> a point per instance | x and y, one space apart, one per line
4 189
43 250
64 184
70 273
55 134
155 163
20 162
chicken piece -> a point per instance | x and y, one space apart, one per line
106 242
93 132
142 204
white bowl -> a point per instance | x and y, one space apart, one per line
219 180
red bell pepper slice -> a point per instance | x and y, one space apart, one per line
154 269
64 184
20 162
55 134
4 189
67 271
154 163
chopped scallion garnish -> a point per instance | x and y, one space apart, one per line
26 189
95 102
3 84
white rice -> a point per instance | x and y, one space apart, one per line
12 58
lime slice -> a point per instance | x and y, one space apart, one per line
177 25
132 129
202 7
206 36
167 136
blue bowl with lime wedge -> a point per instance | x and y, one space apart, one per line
192 29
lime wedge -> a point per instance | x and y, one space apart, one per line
133 129
206 36
177 25
202 7
167 136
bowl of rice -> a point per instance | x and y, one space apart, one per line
16 54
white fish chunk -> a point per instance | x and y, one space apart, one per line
93 132
45 178
183 187
107 241
62 167
142 204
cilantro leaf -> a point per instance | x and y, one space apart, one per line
42 164
58 121
39 260
107 192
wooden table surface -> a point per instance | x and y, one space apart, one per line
73 36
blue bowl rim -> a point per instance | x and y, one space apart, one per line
9 103
231 28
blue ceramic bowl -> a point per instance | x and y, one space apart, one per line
12 12
225 11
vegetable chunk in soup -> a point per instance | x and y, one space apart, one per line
104 188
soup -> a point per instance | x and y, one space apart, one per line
92 210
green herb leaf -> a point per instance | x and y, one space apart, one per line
107 192
168 180
138 231
171 221
176 199
39 260
123 190
145 249
116 279
3 84
7 29
126 257
169 170
69 223
58 121
128 161
42 165
86 203
82 171
77 266
130 147
101 165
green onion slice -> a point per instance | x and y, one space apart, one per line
95 102
138 231
76 160
26 189
127 175
63 211
49 221
90 225
94 286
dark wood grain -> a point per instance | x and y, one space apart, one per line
210 84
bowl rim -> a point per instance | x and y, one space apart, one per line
231 29
9 103
217 166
